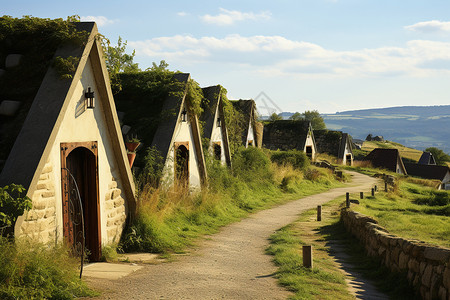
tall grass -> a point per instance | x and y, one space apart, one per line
29 270
170 219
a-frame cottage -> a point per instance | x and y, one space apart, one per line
70 139
388 159
290 134
166 124
215 128
430 171
253 130
335 143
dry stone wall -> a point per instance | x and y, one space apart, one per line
115 212
427 267
40 221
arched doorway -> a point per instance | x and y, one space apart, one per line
182 163
80 159
217 151
348 159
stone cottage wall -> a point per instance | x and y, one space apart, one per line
115 212
40 221
427 267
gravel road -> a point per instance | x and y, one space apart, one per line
232 264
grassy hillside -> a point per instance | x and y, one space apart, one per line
405 152
416 127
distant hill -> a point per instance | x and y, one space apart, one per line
417 127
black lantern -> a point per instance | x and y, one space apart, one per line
219 122
89 95
183 115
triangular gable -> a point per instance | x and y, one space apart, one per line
386 158
248 110
212 112
427 158
37 136
164 137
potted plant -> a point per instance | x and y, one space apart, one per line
132 143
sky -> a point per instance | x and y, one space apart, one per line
288 55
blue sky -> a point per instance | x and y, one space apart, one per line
329 55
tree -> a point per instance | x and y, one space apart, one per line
439 156
275 117
296 117
118 61
316 120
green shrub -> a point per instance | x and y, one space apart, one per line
295 158
251 164
34 271
153 167
13 203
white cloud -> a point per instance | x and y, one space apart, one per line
182 14
430 26
100 20
279 56
229 17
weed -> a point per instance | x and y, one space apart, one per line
35 271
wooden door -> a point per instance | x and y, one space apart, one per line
81 160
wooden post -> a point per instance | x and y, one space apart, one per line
361 195
319 212
375 187
307 257
385 186
373 192
347 199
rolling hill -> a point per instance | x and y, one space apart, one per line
417 127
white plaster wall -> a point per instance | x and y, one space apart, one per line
446 181
346 151
84 125
216 136
309 142
250 136
183 133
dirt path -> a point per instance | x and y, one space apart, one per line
230 265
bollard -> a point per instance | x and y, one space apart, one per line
361 195
373 192
385 186
319 212
347 199
307 257
375 188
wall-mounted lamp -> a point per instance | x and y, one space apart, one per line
219 122
89 95
183 115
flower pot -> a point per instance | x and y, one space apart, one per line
131 157
132 146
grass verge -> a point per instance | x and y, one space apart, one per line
412 211
325 280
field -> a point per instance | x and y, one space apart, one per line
412 211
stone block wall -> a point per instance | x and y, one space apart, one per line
115 212
40 221
427 267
